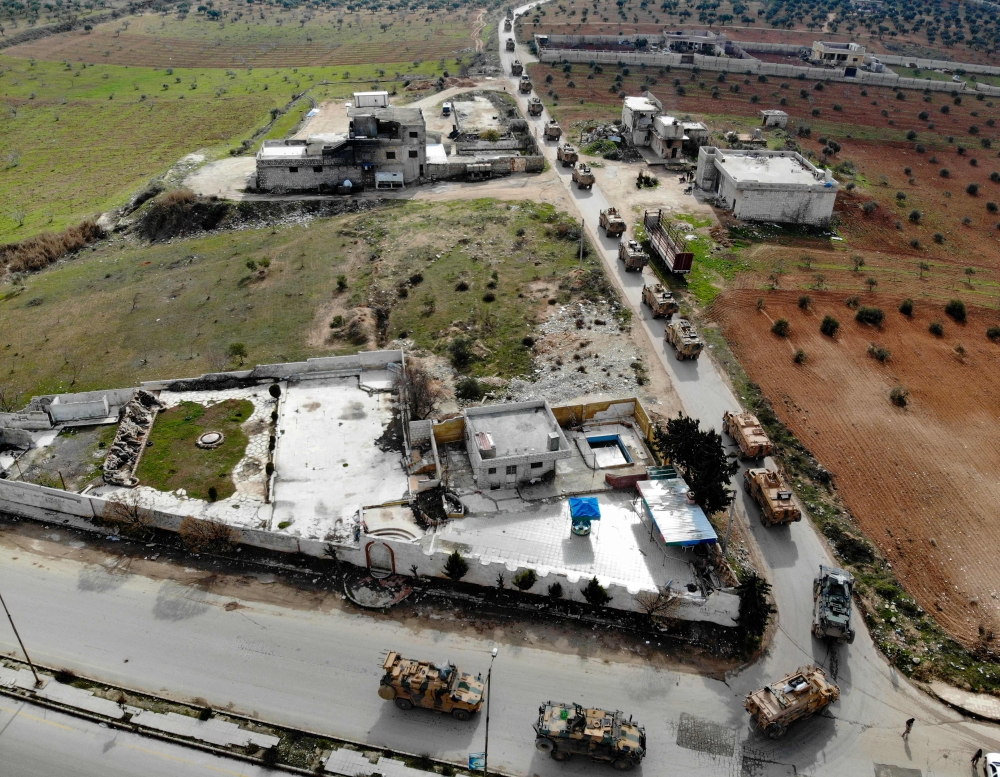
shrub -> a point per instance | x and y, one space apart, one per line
799 357
869 315
781 328
461 353
274 390
944 172
852 302
203 536
906 308
525 579
993 333
991 207
936 328
899 396
595 593
972 189
556 591
911 135
489 297
900 196
879 352
39 252
915 216
469 389
830 326
938 238
461 286
955 309
805 301
456 567
869 207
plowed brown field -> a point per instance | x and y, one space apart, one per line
921 481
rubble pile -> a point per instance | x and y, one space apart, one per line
597 141
130 440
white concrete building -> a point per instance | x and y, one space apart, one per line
759 185
637 118
774 119
837 54
645 124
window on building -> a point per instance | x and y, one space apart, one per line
414 134
318 169
293 169
413 155
536 465
390 154
512 469
492 471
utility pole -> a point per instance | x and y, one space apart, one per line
583 231
729 526
486 747
38 681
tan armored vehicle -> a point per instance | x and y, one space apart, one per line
832 604
799 695
748 433
507 25
412 683
524 85
516 68
510 44
535 106
553 131
582 177
772 494
660 300
613 224
630 252
567 155
563 730
682 335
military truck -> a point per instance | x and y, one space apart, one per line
660 300
772 494
563 730
613 224
682 335
750 436
630 252
516 68
411 683
832 604
567 155
524 85
535 106
510 44
552 130
582 176
507 24
796 696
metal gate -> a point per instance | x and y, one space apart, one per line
511 475
381 560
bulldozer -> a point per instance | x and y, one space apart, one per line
750 436
411 683
660 300
535 106
613 224
582 176
682 335
832 604
564 730
510 44
796 696
524 85
630 252
552 130
567 155
516 68
772 494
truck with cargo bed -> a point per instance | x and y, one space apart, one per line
667 242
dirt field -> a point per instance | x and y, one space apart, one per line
921 480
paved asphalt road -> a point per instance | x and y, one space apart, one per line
36 742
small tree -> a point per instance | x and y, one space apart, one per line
525 579
872 283
460 350
906 308
657 604
595 593
805 301
469 389
237 351
936 328
969 272
556 591
203 536
830 326
993 332
899 396
924 267
869 315
956 310
781 327
702 457
755 608
420 391
456 567
274 390
129 513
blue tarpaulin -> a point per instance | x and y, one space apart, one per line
584 507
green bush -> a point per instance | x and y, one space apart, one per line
595 593
469 389
800 357
869 315
906 308
936 328
805 301
899 396
525 579
555 591
829 326
461 353
781 328
879 352
456 567
993 333
956 310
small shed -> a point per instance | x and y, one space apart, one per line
371 99
388 180
774 119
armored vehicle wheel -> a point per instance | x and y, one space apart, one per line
545 745
404 704
459 714
850 636
623 764
387 692
774 730
746 485
560 755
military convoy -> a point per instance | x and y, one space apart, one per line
567 155
832 591
552 130
535 106
660 300
773 495
796 696
612 223
524 85
510 44
630 252
582 176
516 68
682 335
750 436
565 730
412 683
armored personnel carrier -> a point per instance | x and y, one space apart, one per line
630 252
582 176
612 222
660 300
535 106
772 494
567 155
510 44
516 68
507 24
748 433
563 730
552 130
682 335
796 696
411 683
832 604
524 85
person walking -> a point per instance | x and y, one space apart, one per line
975 759
909 728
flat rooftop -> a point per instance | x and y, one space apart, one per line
516 431
390 113
640 104
767 169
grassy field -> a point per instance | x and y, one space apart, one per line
172 310
174 461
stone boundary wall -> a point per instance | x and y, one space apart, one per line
503 165
932 64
